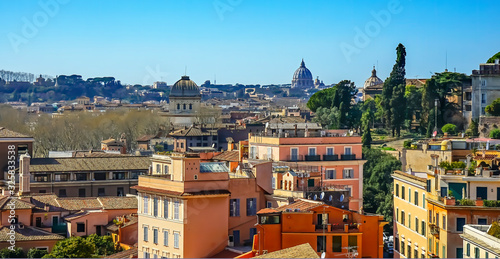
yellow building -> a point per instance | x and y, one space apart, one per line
410 215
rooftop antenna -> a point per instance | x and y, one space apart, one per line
446 62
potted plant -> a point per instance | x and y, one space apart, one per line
450 199
479 201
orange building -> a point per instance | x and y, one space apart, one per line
331 154
336 232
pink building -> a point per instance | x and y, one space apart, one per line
335 156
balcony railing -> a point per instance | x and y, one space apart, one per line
330 157
348 157
312 158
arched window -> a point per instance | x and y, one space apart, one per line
178 106
158 168
166 169
184 106
190 106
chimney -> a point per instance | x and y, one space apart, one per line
24 170
295 130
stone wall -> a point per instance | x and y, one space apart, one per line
487 124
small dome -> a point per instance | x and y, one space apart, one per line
373 80
302 72
185 88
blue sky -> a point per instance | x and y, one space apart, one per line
244 41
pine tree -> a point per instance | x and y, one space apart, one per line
393 99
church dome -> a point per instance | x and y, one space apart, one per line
185 88
373 80
302 72
302 77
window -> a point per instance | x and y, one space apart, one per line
428 185
416 224
482 221
269 204
269 153
120 191
81 177
101 192
165 171
353 241
273 183
443 251
437 248
145 205
437 219
329 151
62 192
477 253
155 236
416 198
415 253
460 253
348 173
312 151
409 194
155 207
80 227
468 249
486 255
178 106
397 190
337 244
81 192
146 234
444 222
165 208
176 240
234 207
483 98
321 244
190 106
460 224
119 176
253 152
99 176
347 150
423 200
330 174
158 168
165 238
294 154
184 106
397 214
423 228
402 192
146 255
251 206
409 220
176 210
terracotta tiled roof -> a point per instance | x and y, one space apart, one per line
76 203
18 204
486 157
131 253
130 219
79 214
110 203
193 132
267 210
5 133
145 138
28 233
231 156
111 141
301 204
45 202
300 251
116 163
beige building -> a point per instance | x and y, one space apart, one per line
484 90
478 243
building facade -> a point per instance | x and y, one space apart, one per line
484 90
478 243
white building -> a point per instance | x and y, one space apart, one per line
478 243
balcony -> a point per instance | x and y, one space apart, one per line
434 230
348 157
330 157
312 158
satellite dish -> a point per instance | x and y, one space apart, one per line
342 198
322 195
331 198
315 197
323 255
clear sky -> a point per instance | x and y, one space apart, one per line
244 41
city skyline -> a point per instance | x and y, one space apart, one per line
243 42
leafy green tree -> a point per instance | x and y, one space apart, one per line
473 127
494 108
413 97
393 99
327 117
449 128
36 253
366 139
324 98
492 59
377 182
16 253
73 247
443 87
495 134
103 244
